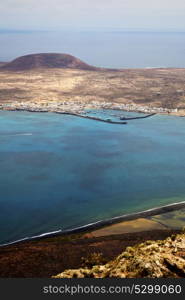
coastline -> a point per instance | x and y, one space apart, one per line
73 90
133 226
77 108
51 256
123 122
100 224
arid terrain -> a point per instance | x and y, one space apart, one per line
76 85
153 259
49 257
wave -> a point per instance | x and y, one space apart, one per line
34 237
21 134
98 224
160 67
18 134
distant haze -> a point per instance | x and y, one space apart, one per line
96 14
103 33
101 49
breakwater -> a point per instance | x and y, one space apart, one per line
72 114
80 107
135 118
86 116
92 118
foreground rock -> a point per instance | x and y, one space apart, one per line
153 259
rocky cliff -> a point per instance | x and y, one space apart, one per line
153 259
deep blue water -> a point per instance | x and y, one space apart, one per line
60 171
103 49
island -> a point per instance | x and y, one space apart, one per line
63 83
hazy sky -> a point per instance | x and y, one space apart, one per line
92 14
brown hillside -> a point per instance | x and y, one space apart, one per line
2 63
47 257
46 60
152 259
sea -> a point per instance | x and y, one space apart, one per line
60 172
113 49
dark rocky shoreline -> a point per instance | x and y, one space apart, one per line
102 223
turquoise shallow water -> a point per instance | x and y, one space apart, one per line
60 171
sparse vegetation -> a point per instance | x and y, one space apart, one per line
153 259
93 259
151 87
